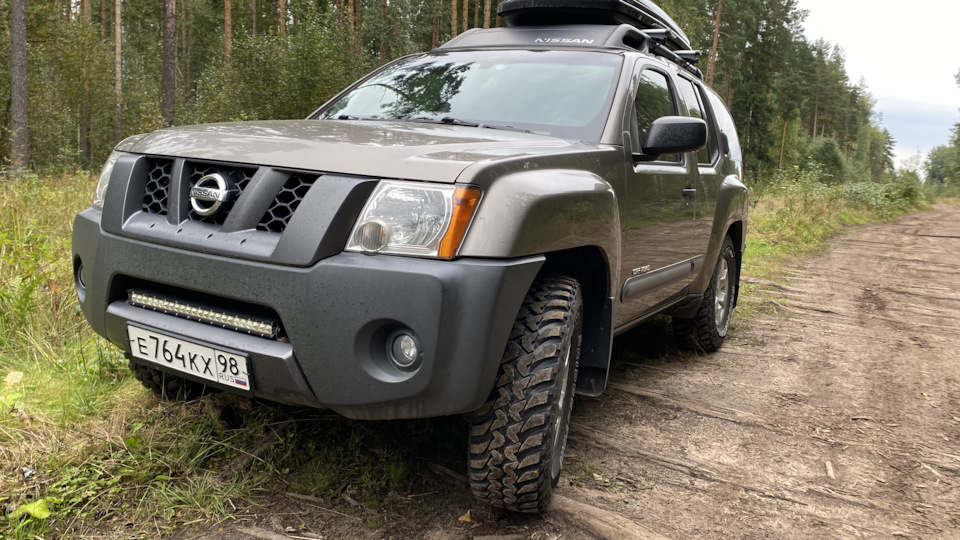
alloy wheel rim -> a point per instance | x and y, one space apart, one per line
558 423
721 293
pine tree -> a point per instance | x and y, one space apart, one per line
20 147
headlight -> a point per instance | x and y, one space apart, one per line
412 218
105 180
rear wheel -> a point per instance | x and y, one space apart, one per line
708 328
517 438
167 386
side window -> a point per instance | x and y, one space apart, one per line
654 100
726 125
694 103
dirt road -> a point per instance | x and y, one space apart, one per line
835 413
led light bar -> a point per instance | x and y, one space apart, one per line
262 328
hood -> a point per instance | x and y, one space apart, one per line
404 150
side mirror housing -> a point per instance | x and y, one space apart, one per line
674 135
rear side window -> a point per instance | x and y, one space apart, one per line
695 108
654 100
726 125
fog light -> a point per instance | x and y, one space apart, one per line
404 351
373 236
81 283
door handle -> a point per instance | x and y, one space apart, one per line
689 193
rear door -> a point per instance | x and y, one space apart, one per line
709 174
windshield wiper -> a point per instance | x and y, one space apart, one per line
457 122
355 117
445 120
505 128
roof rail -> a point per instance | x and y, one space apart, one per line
684 59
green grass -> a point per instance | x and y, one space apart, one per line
796 214
110 459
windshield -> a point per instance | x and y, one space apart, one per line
565 94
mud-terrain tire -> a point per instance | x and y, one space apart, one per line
518 436
708 328
167 386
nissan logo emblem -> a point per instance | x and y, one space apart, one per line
209 194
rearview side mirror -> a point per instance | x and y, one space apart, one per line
673 135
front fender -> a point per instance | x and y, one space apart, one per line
541 211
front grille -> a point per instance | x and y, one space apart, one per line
239 175
277 216
158 184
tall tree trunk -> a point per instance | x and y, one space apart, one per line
783 143
716 41
282 17
351 16
466 11
184 51
227 29
486 13
453 18
169 75
358 29
117 71
476 14
20 148
436 24
104 20
383 33
86 15
253 20
69 10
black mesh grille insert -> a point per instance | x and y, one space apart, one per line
158 183
239 175
277 216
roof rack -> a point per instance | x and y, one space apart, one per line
642 14
602 36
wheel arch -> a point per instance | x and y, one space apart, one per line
589 266
737 232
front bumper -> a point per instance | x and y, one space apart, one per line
336 313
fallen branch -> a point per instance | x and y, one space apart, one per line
604 441
713 411
599 522
319 502
264 534
245 459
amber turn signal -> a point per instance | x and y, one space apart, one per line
465 201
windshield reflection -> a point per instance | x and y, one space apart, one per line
560 93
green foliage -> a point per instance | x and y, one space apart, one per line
825 157
798 210
784 91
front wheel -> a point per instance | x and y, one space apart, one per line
708 328
518 436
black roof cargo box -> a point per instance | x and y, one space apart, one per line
643 14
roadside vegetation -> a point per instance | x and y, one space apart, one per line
84 449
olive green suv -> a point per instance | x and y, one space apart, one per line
462 231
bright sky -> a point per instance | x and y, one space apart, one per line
908 59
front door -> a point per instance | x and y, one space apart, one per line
656 209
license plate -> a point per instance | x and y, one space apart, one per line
214 365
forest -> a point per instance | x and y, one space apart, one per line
97 71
